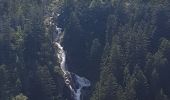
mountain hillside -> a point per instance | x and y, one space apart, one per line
121 46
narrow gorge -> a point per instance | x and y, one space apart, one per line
72 80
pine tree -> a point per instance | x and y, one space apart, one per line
47 82
142 86
161 96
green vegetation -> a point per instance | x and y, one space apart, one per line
20 97
121 46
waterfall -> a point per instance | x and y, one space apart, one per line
73 81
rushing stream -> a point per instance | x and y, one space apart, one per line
73 81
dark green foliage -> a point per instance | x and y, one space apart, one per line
26 53
121 46
139 71
129 40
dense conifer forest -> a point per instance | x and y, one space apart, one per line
121 46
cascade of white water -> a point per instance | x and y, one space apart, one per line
69 77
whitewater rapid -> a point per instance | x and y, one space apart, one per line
73 81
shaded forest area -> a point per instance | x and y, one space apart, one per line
121 46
